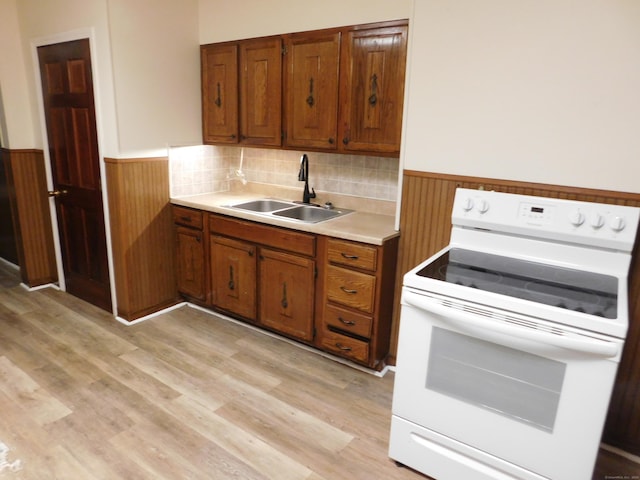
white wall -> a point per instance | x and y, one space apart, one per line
15 103
146 62
534 90
156 69
222 20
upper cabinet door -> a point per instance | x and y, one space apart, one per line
219 63
261 91
311 86
373 69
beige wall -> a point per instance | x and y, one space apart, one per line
222 20
535 90
15 103
146 64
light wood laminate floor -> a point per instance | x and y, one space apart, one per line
185 395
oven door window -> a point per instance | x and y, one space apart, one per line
509 382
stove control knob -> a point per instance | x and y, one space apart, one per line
576 218
467 204
597 221
617 224
483 206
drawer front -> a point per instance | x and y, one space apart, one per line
354 323
281 238
353 289
187 217
345 346
352 254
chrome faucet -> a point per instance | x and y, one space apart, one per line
303 176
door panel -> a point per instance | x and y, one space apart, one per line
67 88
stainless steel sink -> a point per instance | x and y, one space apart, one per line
290 210
310 214
264 205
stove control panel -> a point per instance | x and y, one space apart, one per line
595 224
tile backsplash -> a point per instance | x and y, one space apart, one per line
204 169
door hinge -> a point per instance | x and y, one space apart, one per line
284 51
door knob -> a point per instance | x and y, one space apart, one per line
57 193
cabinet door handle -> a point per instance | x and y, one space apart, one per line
347 290
284 301
232 283
373 98
344 348
218 100
310 100
349 323
349 257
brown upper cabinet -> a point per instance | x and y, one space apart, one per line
311 86
343 90
242 92
372 88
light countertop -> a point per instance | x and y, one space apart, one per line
359 226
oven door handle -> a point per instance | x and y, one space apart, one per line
469 321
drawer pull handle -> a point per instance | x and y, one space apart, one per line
186 219
350 323
349 257
348 290
344 348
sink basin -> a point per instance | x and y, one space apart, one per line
264 205
309 214
284 210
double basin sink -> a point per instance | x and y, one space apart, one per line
306 213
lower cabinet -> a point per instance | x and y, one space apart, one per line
233 276
333 294
287 293
190 253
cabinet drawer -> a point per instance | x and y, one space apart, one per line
354 323
187 217
353 289
345 346
283 239
352 254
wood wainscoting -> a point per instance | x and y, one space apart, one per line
142 235
425 224
31 219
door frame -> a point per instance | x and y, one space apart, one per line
79 34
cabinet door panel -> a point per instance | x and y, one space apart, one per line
190 262
287 293
233 276
261 92
219 64
373 71
312 90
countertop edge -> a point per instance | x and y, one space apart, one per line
364 227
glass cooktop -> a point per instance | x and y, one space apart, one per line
591 293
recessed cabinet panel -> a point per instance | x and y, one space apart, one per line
233 276
311 106
287 293
190 262
373 68
220 93
261 92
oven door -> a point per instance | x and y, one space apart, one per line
508 388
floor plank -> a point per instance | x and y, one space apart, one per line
184 395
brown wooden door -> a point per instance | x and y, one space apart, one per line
287 293
233 276
219 64
261 92
311 90
67 89
373 69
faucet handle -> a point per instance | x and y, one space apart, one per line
313 193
